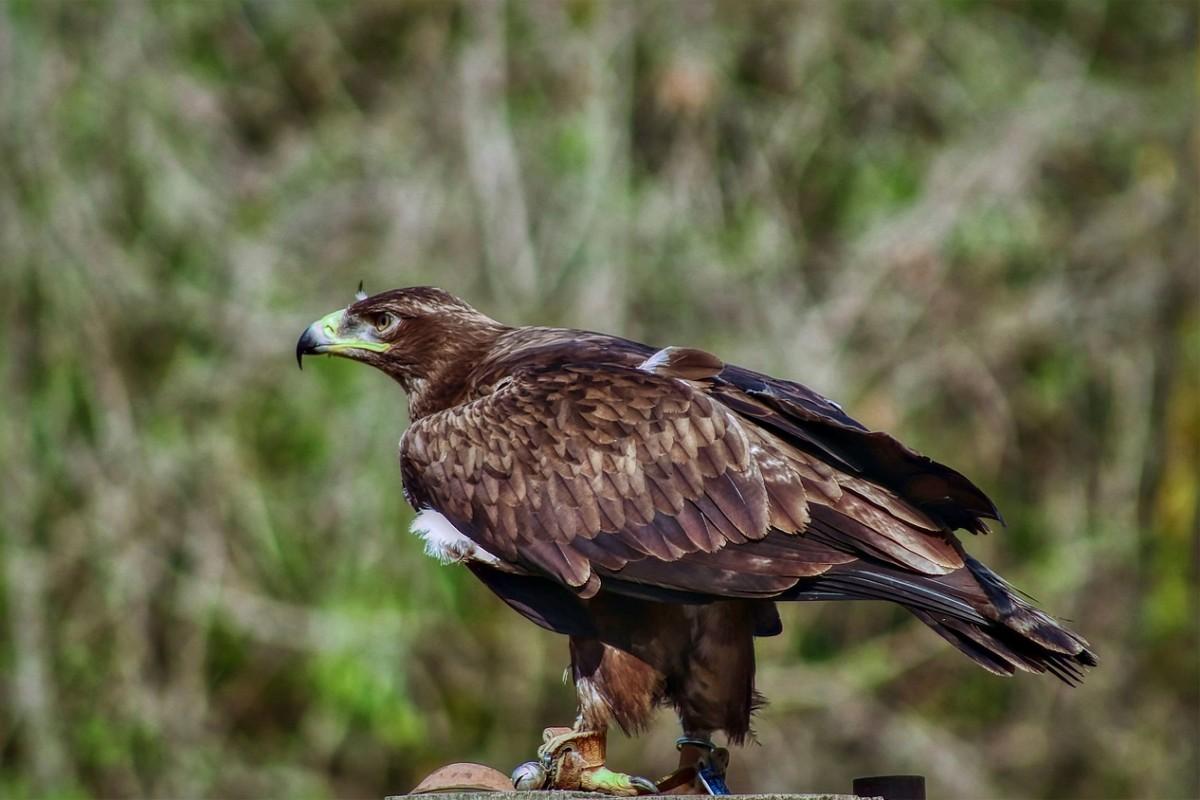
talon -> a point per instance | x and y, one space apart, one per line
644 785
602 779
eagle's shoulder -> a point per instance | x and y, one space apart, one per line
522 349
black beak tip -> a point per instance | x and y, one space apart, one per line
304 346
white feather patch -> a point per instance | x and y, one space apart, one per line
687 363
445 542
657 361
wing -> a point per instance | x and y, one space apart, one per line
577 471
591 472
790 411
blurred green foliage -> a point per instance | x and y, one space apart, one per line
974 223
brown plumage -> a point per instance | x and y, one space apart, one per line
655 504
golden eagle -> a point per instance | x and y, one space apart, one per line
655 504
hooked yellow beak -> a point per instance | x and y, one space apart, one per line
335 334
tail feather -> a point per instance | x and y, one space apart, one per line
984 651
1002 651
1024 618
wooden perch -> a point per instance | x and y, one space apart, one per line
550 795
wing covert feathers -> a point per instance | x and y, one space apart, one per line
579 466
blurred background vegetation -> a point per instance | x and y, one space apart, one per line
973 223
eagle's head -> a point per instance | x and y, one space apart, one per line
417 335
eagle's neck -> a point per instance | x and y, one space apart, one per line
445 379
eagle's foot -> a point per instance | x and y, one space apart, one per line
575 760
605 781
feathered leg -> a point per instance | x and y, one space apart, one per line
715 691
611 685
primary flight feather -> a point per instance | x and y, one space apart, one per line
655 504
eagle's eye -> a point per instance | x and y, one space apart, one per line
383 321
